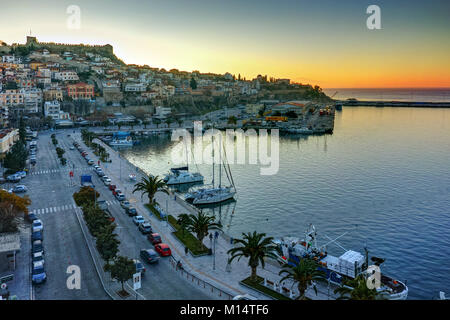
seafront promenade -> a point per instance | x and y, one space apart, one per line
211 272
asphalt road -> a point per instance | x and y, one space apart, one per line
51 195
64 242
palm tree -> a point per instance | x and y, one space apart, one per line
201 224
254 247
303 274
150 186
184 222
357 289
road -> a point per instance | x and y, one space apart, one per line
160 282
51 195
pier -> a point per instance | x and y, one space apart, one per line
410 104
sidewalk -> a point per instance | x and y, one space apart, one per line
226 279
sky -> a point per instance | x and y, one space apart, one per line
323 42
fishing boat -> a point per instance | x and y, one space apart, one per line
213 194
349 265
121 139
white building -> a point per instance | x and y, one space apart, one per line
52 109
162 112
32 100
135 87
66 76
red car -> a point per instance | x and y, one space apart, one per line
163 249
112 187
154 238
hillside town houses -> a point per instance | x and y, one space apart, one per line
47 84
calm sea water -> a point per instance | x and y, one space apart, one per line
420 95
383 177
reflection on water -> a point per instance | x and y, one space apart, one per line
383 176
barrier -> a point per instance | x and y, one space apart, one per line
200 282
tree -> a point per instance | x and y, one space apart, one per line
22 131
85 196
169 121
11 207
303 274
107 242
232 120
183 221
157 122
256 248
200 224
193 83
357 289
145 123
122 270
16 158
150 186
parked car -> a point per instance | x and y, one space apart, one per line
154 238
19 189
38 257
145 228
116 191
120 196
96 167
31 217
37 225
72 148
131 211
13 178
33 161
125 204
163 249
37 235
37 246
38 274
112 187
90 162
22 174
149 255
139 267
138 219
107 181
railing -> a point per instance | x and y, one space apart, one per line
199 282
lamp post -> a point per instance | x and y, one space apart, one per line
216 235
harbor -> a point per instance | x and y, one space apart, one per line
334 182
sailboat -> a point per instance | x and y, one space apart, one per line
213 195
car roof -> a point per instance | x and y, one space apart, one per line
139 217
163 245
155 234
37 221
37 254
37 242
38 264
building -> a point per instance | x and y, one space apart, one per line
253 108
53 109
9 246
4 117
135 87
294 106
80 91
32 100
53 94
162 112
66 76
7 139
11 98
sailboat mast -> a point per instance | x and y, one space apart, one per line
212 142
220 156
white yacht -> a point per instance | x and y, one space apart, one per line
182 176
121 142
